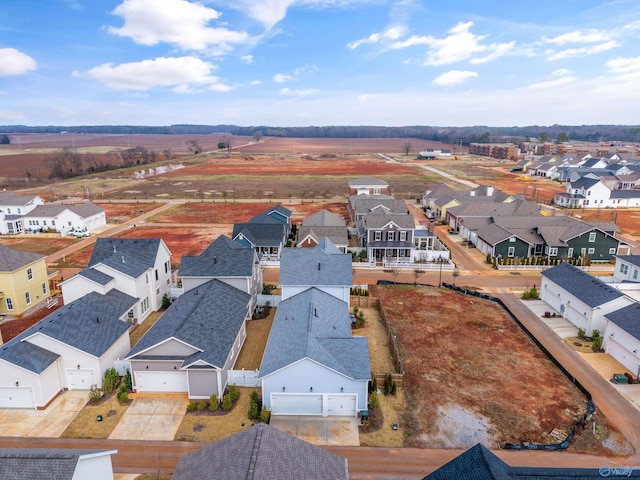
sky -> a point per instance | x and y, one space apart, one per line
319 62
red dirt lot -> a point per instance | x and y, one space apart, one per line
473 375
12 328
36 243
124 211
269 165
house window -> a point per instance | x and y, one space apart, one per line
9 211
402 252
130 314
376 191
591 251
512 240
44 288
146 278
390 236
624 268
27 297
377 236
53 222
29 274
511 252
553 252
156 274
403 236
570 252
44 222
612 251
9 303
592 237
144 306
166 266
69 224
157 291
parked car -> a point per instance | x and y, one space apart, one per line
516 169
78 233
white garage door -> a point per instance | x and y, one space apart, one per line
624 356
80 379
341 405
161 382
16 397
296 404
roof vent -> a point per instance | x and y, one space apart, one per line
215 259
114 248
318 266
123 259
97 319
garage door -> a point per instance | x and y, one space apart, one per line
341 405
16 397
80 379
296 404
624 356
161 382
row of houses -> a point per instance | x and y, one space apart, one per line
29 214
510 226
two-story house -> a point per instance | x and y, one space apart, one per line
24 281
388 237
267 233
12 208
320 225
140 267
368 186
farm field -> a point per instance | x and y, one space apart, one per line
472 375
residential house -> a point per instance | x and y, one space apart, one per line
479 463
457 216
192 345
368 186
582 299
12 208
24 281
622 336
323 224
261 452
362 205
441 198
55 464
312 365
600 189
267 233
627 269
225 260
64 218
70 349
388 237
323 267
432 154
139 266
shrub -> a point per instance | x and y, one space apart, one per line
201 405
123 397
110 380
595 334
265 415
388 381
227 403
254 410
95 394
393 388
213 402
596 344
234 393
582 334
166 301
190 408
374 401
127 382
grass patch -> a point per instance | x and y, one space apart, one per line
253 349
392 407
86 425
136 333
211 428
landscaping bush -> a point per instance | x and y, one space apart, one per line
127 382
393 388
95 394
254 406
227 403
213 402
166 301
597 344
582 334
190 408
265 415
234 393
201 405
373 385
110 380
595 334
123 397
374 401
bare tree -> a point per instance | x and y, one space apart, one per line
228 142
194 146
257 136
456 274
406 147
417 273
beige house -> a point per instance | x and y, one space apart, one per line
24 281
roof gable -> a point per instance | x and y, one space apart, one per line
322 265
222 258
131 256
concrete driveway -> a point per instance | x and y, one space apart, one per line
151 417
43 423
332 431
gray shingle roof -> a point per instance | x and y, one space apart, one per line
131 256
380 220
632 259
587 288
337 235
90 324
324 218
222 258
261 234
208 317
11 260
315 325
367 181
40 463
83 210
95 276
277 214
12 199
261 452
322 265
627 318
365 204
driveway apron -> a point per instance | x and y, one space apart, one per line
151 417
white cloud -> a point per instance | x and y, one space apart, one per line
248 59
256 82
624 65
454 77
179 72
306 69
577 36
282 78
561 72
581 52
459 45
552 83
299 93
177 22
391 34
14 62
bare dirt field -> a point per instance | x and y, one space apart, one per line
119 212
36 243
472 375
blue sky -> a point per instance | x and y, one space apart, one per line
320 62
